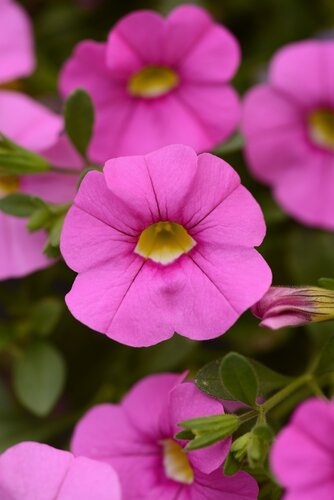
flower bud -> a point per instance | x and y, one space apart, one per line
282 306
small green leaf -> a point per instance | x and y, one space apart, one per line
17 163
208 380
20 204
231 465
268 379
39 219
234 143
327 283
186 435
45 315
239 377
210 422
209 438
79 119
38 378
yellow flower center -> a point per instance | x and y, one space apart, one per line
176 463
321 126
9 184
152 81
164 242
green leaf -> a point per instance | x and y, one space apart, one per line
186 435
208 380
209 438
38 378
231 465
210 422
268 379
79 119
239 377
325 363
234 143
20 204
45 315
19 163
327 283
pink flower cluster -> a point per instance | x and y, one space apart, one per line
136 440
34 127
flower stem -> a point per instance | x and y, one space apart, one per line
286 391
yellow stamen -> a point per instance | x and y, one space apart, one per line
164 242
176 463
9 184
321 127
152 81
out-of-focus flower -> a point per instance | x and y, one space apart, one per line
302 458
289 129
137 438
158 81
16 42
34 471
282 306
37 129
164 243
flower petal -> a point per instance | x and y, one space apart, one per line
38 128
16 42
215 486
187 401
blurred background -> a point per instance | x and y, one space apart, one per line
42 395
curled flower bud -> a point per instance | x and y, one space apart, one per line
282 306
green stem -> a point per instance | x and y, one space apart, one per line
286 392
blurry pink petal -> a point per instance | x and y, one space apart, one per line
285 71
185 402
302 457
20 251
289 130
216 486
33 471
16 42
27 122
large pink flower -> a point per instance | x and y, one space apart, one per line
289 129
158 81
34 471
34 127
137 438
164 243
302 458
16 42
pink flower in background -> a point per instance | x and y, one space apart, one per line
34 471
282 306
302 458
137 438
158 81
34 127
163 243
289 130
16 42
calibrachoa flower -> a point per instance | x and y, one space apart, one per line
37 129
158 81
164 243
289 129
16 42
34 471
302 458
282 306
137 438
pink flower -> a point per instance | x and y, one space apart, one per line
34 471
16 42
158 81
289 129
302 458
282 306
164 243
137 438
37 129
